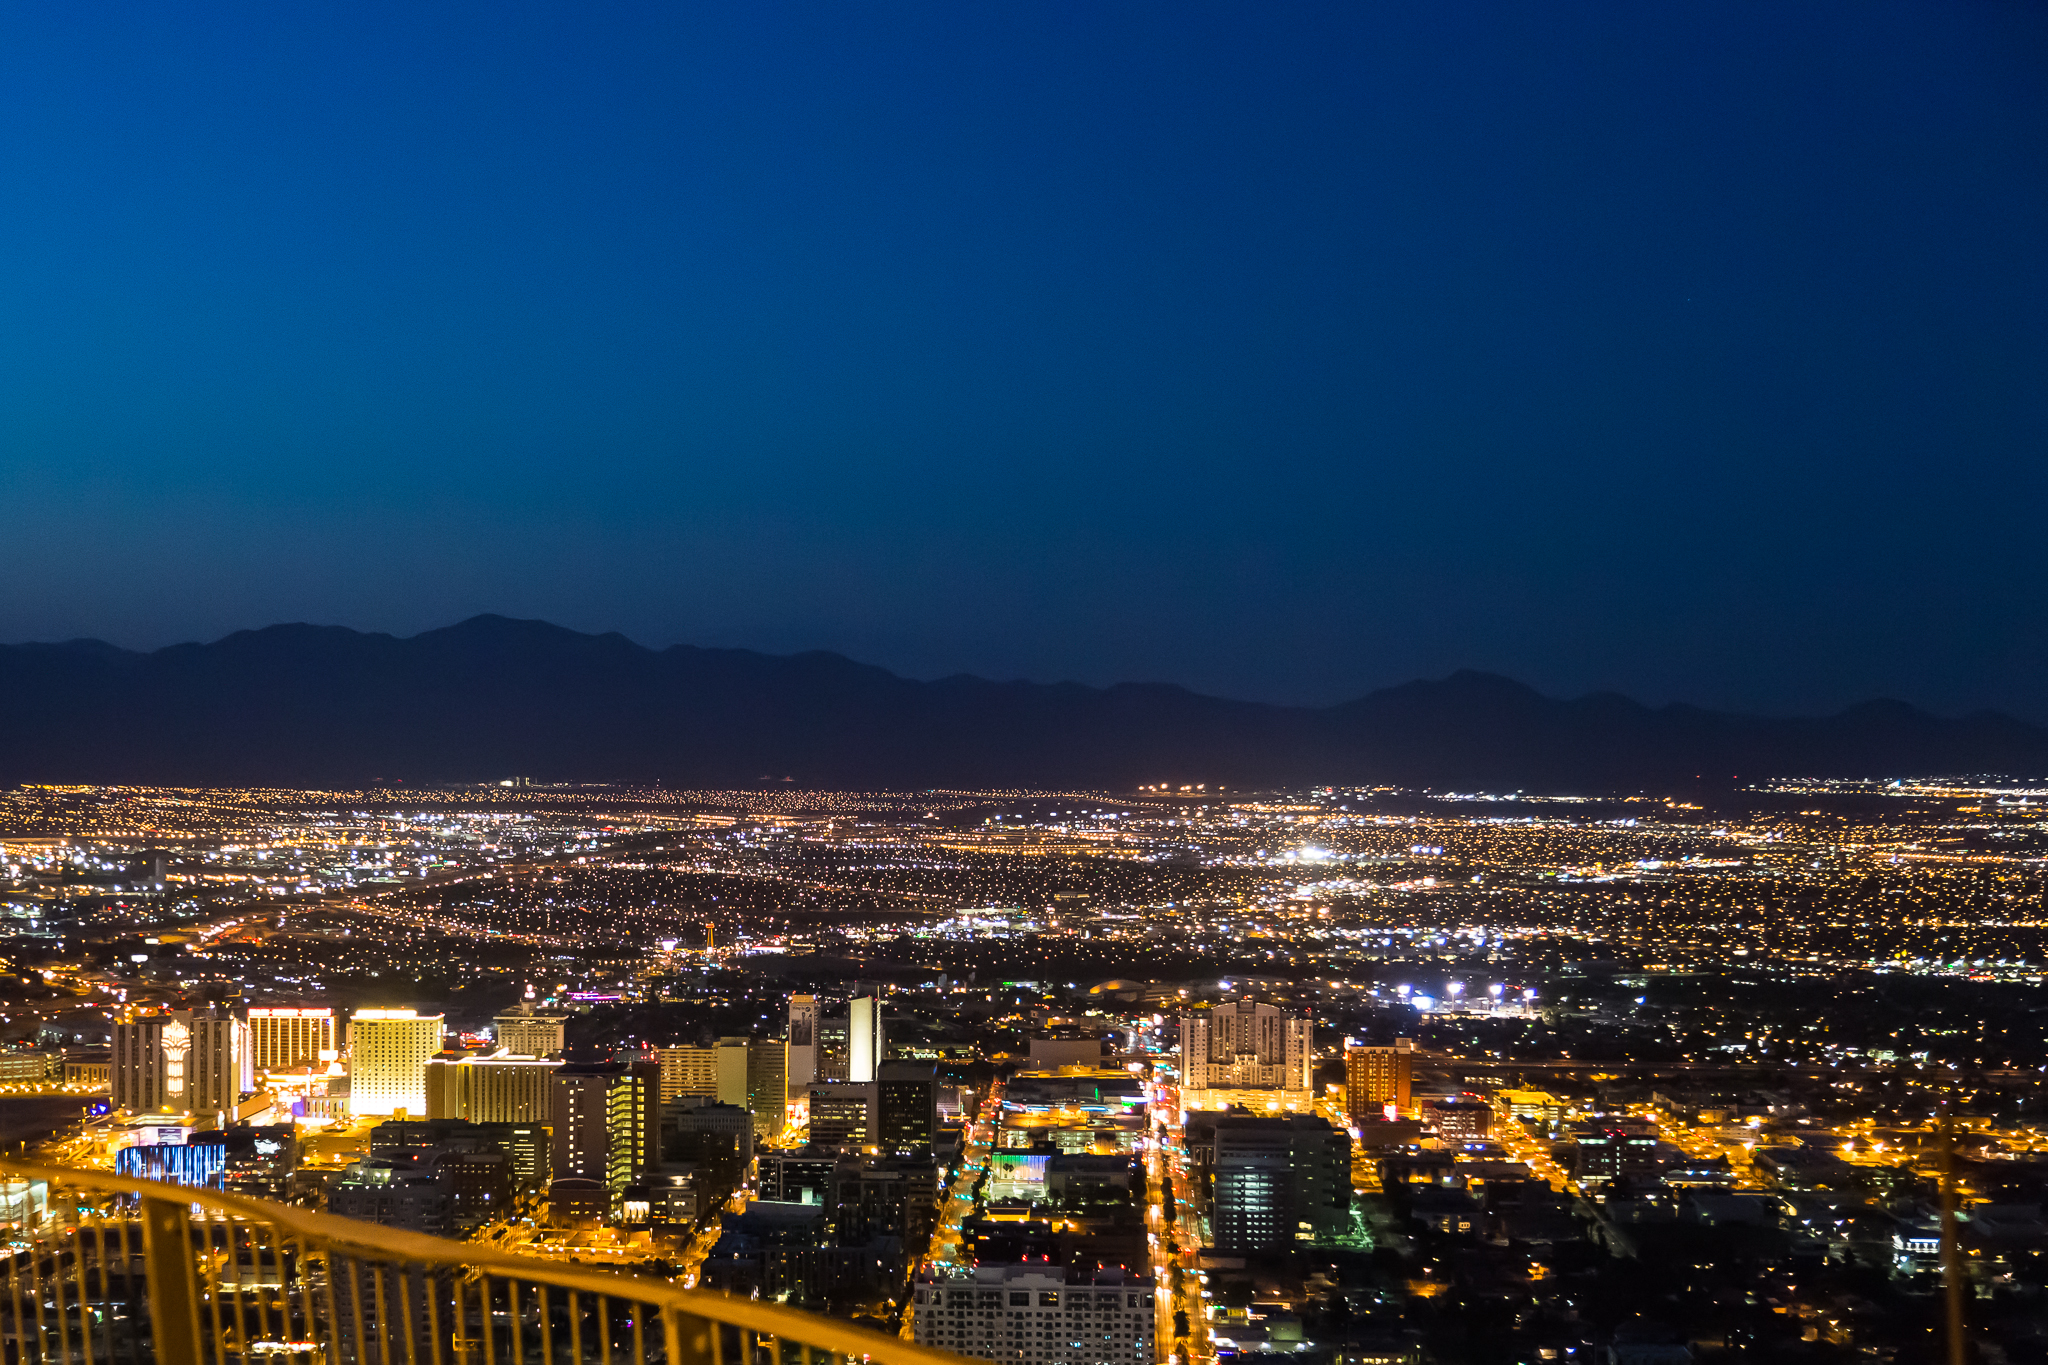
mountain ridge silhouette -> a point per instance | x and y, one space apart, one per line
301 705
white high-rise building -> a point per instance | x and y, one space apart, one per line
388 1052
282 1038
803 1043
865 1047
1031 1314
1243 1052
182 1061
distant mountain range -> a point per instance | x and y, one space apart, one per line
299 705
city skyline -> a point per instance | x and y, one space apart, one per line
1160 684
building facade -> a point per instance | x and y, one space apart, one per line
842 1116
500 1088
280 1039
768 1086
1277 1182
1375 1077
1033 1314
181 1061
527 1034
388 1055
687 1072
1244 1052
906 1107
802 1060
865 1045
606 1122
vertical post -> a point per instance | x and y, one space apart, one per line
173 1289
1951 1253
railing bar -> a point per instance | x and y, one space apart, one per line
288 1268
213 1299
575 1328
383 1314
604 1329
775 1351
309 1296
252 1284
672 1334
490 1339
547 1323
138 1308
640 1335
85 1288
128 1314
309 1303
406 1324
57 1293
433 1297
14 1288
258 1236
333 1308
211 1263
281 1240
355 1299
35 1272
517 1346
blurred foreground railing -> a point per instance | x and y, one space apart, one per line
105 1268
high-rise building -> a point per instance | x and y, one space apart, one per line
528 1034
181 1061
729 1060
687 1072
1375 1077
580 1150
768 1085
500 1088
388 1053
396 1194
606 1124
831 1048
222 1068
716 1139
525 1145
865 1046
1243 1052
802 1063
906 1107
1035 1314
747 1073
1278 1181
632 1128
280 1039
843 1115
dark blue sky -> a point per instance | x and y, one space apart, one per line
1696 351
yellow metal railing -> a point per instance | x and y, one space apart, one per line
103 1268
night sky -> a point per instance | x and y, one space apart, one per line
1286 351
